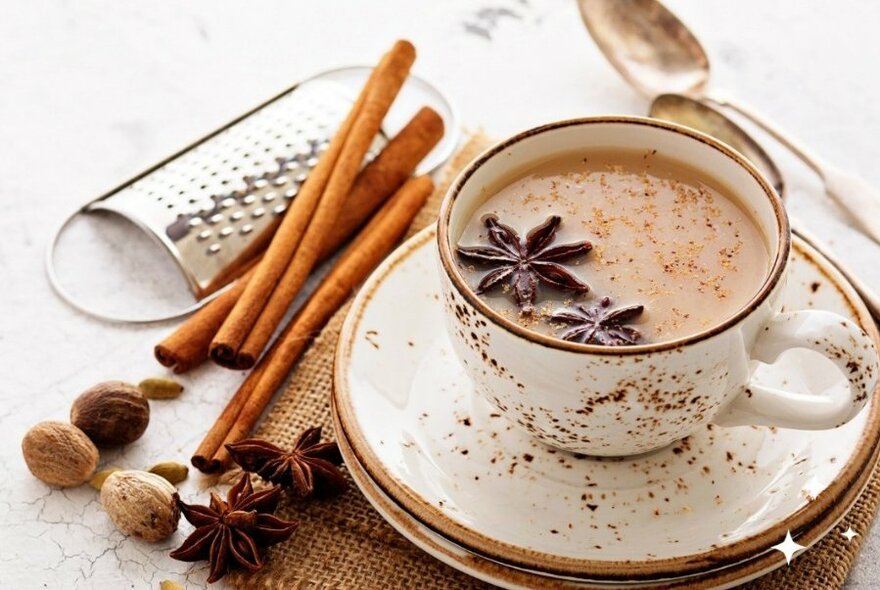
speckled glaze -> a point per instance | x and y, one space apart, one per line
613 401
512 578
712 500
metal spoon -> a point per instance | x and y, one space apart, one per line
696 115
682 109
656 53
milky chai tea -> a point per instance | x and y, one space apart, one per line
613 247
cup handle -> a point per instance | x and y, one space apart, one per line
836 338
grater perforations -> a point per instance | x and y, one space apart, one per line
209 204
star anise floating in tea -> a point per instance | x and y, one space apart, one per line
232 533
309 469
523 264
600 324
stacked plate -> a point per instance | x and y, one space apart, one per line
472 490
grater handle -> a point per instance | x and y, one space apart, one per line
63 293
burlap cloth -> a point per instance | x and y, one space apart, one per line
344 543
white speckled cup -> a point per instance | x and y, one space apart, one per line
611 401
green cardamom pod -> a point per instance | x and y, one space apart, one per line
160 388
170 585
98 479
173 472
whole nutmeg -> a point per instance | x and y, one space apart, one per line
59 454
141 504
111 413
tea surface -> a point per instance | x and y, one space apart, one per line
664 236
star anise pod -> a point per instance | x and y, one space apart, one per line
308 469
231 533
599 324
524 264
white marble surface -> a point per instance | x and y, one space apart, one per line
93 91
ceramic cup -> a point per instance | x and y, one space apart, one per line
609 401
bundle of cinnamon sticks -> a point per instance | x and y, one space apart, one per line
336 199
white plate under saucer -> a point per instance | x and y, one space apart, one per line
435 545
511 578
719 498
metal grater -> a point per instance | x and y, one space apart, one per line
207 205
210 204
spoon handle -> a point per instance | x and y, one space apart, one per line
868 295
857 197
796 147
853 194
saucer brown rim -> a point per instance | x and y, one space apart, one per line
737 574
450 268
476 562
629 570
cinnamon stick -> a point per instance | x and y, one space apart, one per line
390 78
202 459
371 246
187 347
244 313
246 259
386 173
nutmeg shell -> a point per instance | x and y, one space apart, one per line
141 504
59 454
112 413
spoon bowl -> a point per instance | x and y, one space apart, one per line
648 45
656 53
692 113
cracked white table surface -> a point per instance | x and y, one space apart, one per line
94 91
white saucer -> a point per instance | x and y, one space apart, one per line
715 500
442 549
504 576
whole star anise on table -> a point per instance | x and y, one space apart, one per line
233 532
525 263
309 469
599 324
